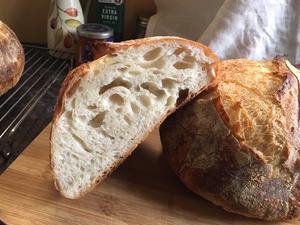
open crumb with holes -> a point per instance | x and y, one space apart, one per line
109 106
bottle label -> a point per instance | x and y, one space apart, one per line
111 13
91 49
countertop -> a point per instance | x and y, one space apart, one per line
143 190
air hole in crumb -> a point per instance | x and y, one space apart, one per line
171 101
135 72
182 96
159 64
134 108
83 118
123 69
127 119
119 110
74 156
91 107
145 100
189 59
69 115
81 142
137 88
82 168
178 51
119 82
153 89
156 72
73 103
169 83
104 132
92 161
117 99
73 89
98 119
100 154
183 65
153 54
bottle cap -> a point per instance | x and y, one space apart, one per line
95 31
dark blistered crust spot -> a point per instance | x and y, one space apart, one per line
182 96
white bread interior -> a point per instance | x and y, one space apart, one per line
117 103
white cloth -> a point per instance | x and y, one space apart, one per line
254 29
184 18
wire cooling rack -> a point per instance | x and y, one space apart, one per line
27 108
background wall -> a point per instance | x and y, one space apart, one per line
28 18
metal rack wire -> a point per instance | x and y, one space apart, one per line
27 108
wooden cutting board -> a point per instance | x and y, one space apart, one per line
141 191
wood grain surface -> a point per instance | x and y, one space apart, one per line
141 191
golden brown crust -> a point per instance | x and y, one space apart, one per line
207 144
12 58
112 48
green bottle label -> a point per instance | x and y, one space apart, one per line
111 13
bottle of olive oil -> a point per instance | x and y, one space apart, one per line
111 13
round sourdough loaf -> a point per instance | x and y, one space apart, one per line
11 58
237 144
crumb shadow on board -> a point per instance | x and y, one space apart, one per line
154 180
